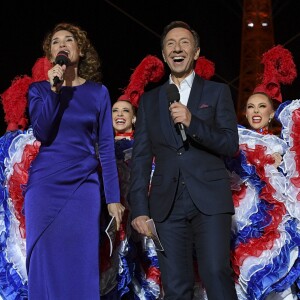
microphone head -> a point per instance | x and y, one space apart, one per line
62 58
173 93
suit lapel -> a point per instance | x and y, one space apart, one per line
195 94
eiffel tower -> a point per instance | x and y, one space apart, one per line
257 37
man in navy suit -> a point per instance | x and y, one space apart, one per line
190 198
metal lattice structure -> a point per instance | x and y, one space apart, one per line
257 37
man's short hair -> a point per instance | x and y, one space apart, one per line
179 24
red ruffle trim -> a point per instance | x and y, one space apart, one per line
18 181
255 246
296 146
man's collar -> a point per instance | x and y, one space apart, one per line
189 79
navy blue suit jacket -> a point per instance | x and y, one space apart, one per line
212 135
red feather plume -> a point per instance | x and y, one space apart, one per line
205 68
151 69
14 99
40 69
279 68
279 61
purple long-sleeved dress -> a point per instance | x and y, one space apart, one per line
62 199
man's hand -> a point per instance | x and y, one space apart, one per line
180 114
140 225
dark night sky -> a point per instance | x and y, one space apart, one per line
124 32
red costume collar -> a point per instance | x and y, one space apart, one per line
126 134
263 131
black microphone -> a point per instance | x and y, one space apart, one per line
61 59
174 96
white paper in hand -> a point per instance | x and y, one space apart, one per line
111 231
154 235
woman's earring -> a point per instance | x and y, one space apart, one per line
270 119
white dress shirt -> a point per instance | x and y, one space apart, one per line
185 87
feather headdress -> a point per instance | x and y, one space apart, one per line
204 68
279 68
40 69
14 99
150 69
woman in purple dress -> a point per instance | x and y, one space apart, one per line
70 115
